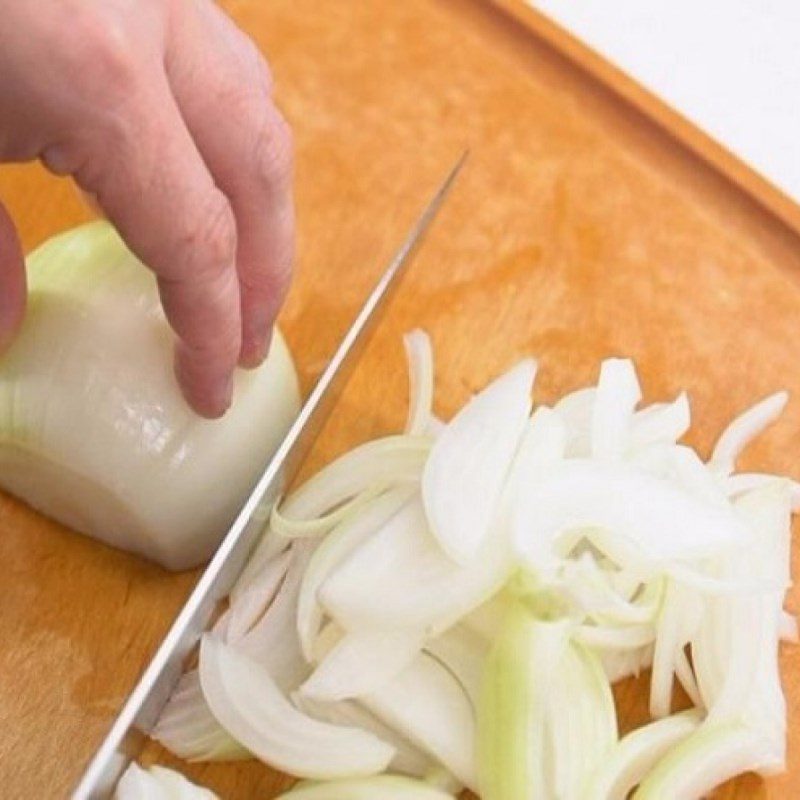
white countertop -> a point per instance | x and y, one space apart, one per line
730 66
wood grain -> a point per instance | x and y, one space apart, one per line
580 229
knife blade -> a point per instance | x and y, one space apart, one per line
142 708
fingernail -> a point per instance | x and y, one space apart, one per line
222 396
257 340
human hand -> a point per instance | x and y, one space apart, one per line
162 111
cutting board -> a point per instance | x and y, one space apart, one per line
580 229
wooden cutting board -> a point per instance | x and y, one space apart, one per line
579 230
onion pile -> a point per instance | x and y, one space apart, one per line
448 608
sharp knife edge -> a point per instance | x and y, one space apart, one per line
126 738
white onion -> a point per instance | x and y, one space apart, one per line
249 705
465 473
93 430
480 587
158 783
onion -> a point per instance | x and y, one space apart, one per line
519 674
382 787
158 783
616 398
250 706
455 603
189 729
408 758
403 565
637 753
93 430
466 470
427 705
361 663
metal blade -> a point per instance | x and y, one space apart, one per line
141 711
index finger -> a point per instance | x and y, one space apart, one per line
213 67
154 186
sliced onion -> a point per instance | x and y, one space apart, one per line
420 378
252 603
661 423
617 395
680 617
735 651
463 652
463 479
606 637
273 642
381 787
267 549
158 783
188 729
581 722
622 664
332 551
427 705
637 753
403 565
382 462
361 663
250 706
703 760
576 410
634 510
519 674
744 429
408 758
541 448
318 526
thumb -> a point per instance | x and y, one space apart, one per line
12 280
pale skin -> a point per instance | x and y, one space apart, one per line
162 111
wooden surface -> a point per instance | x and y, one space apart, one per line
579 230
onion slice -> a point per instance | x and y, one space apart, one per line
637 753
381 787
158 783
420 378
639 512
617 395
465 473
744 429
427 705
518 678
703 760
188 729
361 663
332 551
394 579
250 706
382 462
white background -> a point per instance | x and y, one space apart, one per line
730 66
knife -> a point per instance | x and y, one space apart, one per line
142 709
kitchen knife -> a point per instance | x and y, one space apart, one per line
140 713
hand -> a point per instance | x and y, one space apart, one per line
162 110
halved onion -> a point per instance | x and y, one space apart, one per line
93 429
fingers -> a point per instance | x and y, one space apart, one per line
154 186
12 280
222 87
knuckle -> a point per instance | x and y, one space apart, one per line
211 238
274 157
102 52
254 64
